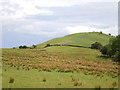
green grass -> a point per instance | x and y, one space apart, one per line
80 39
58 65
34 79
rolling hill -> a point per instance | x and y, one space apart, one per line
79 39
60 66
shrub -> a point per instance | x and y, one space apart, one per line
104 50
117 56
11 80
113 48
20 47
23 47
48 45
100 32
34 46
96 45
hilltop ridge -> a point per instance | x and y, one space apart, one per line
79 39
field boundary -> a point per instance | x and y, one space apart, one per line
65 45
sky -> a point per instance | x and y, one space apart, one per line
28 22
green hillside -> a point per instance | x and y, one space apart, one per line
80 39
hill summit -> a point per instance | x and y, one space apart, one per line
79 39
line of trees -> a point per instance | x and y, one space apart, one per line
23 47
112 49
26 47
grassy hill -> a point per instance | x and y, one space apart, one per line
60 67
80 39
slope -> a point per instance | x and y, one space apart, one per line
80 39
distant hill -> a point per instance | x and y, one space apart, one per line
79 39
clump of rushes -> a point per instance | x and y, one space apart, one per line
114 84
5 69
17 68
11 80
97 88
44 79
77 84
59 83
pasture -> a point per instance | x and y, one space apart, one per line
58 67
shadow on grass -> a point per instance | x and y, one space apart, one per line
107 57
103 57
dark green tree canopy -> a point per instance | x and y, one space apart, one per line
96 45
113 48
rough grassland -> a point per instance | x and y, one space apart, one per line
58 67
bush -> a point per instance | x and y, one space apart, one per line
34 46
23 47
113 48
96 45
20 47
104 50
117 56
48 45
100 32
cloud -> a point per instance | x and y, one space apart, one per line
40 28
31 21
20 9
79 29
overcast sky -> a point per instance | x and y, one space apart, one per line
28 22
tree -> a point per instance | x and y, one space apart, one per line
109 34
100 32
117 56
48 45
96 45
24 47
104 50
20 47
34 46
113 49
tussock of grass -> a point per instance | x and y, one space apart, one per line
44 79
11 80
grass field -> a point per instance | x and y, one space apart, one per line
80 39
58 67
